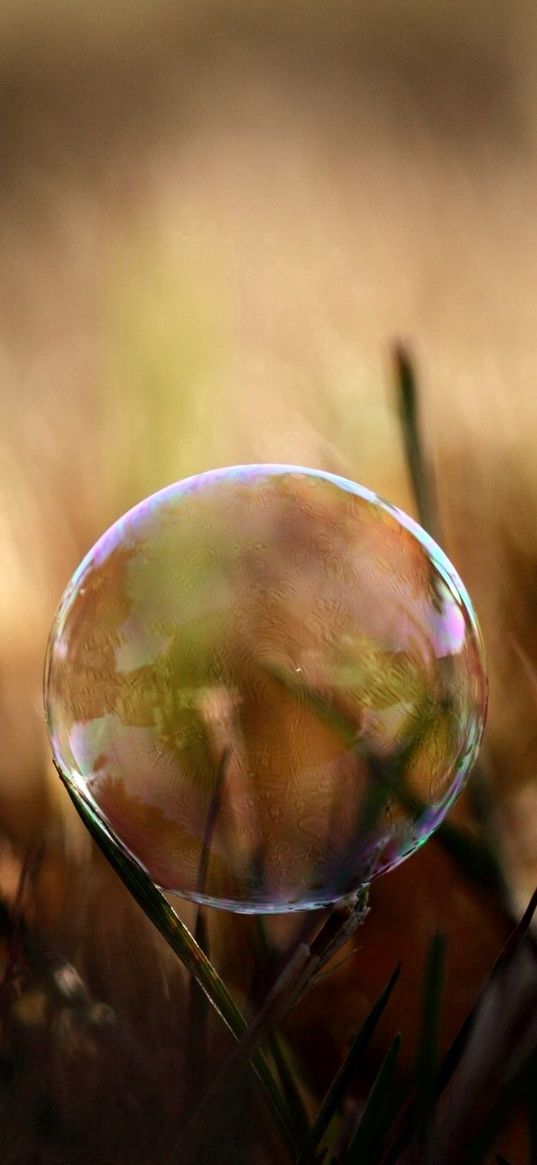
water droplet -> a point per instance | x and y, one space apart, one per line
258 639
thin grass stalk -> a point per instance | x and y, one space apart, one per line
367 1133
428 1051
177 935
198 1005
338 1089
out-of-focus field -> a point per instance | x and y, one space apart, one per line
214 220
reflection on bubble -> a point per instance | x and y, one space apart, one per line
270 685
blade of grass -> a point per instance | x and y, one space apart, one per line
299 970
417 1111
348 732
532 1120
265 966
512 1091
196 1027
337 1091
404 1131
427 1055
214 1104
177 935
474 857
360 1151
455 1051
212 817
425 493
421 473
294 1101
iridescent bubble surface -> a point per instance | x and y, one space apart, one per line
268 683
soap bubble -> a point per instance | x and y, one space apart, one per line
268 684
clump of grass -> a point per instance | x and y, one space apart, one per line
247 1100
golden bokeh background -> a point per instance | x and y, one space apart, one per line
214 220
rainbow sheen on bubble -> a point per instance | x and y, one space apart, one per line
268 683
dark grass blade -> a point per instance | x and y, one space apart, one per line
456 1050
416 1113
406 1123
428 1050
513 1091
370 1127
421 473
532 1120
215 1103
195 1056
266 963
480 863
212 817
295 1104
179 938
198 1007
298 972
345 728
338 1089
474 857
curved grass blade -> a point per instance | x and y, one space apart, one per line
367 1133
338 1089
456 1050
179 938
405 1130
512 1091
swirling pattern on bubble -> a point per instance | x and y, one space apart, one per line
269 683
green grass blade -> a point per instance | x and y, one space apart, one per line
361 1148
338 1089
179 938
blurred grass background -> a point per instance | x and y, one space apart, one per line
214 220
